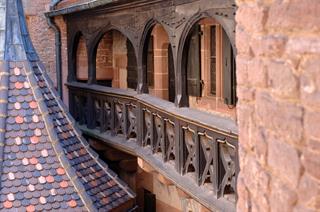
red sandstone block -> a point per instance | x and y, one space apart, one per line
246 21
284 159
310 81
311 163
308 190
257 73
282 81
311 123
281 198
243 39
269 46
284 118
294 15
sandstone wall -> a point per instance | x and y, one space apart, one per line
278 66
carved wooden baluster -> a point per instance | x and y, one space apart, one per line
118 118
170 141
148 128
159 145
208 164
190 152
98 114
132 121
228 167
113 115
106 115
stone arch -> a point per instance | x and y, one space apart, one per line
95 72
94 43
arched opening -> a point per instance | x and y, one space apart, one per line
209 66
116 64
81 60
158 60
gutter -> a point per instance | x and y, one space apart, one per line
93 4
76 8
54 4
57 32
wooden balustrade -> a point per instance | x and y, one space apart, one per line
207 155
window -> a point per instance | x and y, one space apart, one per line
213 61
210 68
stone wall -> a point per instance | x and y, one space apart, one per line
278 78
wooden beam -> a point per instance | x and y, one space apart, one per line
97 145
115 155
129 165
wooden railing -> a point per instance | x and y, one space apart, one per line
206 154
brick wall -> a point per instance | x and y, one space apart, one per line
41 35
104 59
278 78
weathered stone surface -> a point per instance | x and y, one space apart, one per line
272 46
311 163
259 136
253 170
294 15
285 118
252 24
309 191
312 126
257 73
284 160
244 199
310 81
282 198
282 81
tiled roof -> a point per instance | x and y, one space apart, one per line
45 162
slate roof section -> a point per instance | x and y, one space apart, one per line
45 162
32 176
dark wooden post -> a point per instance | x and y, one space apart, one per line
91 53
